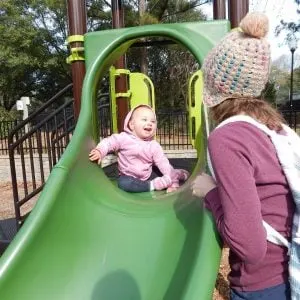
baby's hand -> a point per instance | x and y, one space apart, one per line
171 189
95 156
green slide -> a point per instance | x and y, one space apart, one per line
86 239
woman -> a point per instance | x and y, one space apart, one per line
250 186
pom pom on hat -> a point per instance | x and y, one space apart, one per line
238 66
255 25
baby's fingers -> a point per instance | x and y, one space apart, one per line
171 189
93 152
94 157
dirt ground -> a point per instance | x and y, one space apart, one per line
221 292
6 201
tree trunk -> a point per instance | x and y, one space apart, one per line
144 64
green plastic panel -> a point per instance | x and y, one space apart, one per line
141 90
195 108
86 239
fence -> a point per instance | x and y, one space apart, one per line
45 131
172 131
292 117
172 128
5 128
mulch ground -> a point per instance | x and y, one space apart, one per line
221 292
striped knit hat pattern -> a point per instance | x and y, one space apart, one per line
239 66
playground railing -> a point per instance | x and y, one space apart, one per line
5 128
173 130
292 118
36 144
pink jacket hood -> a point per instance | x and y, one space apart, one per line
128 117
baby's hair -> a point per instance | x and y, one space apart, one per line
141 106
136 108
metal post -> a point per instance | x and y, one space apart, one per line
237 10
219 9
291 85
22 105
26 102
121 81
77 26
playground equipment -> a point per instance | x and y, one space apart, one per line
141 91
195 109
86 239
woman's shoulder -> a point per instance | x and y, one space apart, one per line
237 134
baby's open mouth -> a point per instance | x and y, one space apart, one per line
148 129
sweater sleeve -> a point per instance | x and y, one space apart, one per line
109 144
235 204
162 162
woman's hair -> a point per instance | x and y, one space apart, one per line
258 109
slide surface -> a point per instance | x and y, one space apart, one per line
86 239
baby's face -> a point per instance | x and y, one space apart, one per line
143 123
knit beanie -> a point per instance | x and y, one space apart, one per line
239 65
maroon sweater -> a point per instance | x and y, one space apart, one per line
251 188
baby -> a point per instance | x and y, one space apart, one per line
138 152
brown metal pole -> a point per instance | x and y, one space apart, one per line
121 81
77 26
219 9
237 10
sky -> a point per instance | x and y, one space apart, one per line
276 11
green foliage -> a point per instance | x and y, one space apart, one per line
282 84
269 93
147 19
169 67
7 115
296 80
98 15
33 51
289 28
33 47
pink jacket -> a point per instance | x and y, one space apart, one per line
136 156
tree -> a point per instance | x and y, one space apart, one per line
168 66
291 28
33 51
297 80
19 48
32 47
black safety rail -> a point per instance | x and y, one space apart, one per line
292 118
5 128
35 146
173 130
104 120
37 143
